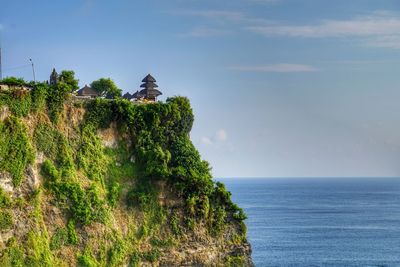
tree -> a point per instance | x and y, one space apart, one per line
68 77
13 81
106 87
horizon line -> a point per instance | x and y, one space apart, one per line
309 177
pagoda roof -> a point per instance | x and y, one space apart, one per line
149 92
149 85
148 78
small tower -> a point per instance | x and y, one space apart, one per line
149 92
53 77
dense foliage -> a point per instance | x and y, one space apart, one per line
16 151
106 88
84 205
67 77
163 151
13 81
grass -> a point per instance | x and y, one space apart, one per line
6 220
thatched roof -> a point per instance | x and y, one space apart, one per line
87 91
148 78
127 96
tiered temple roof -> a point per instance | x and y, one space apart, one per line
149 91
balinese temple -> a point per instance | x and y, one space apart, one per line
54 77
149 93
87 92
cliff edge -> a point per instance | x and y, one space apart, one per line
109 183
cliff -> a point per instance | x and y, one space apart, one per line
109 183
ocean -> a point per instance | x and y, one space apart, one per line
321 221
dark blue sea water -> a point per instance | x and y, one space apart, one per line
321 222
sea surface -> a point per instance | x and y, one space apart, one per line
320 221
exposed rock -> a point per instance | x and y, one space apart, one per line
4 237
40 158
31 179
109 136
4 113
6 182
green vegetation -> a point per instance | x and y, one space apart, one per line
235 261
56 95
38 97
84 204
96 187
67 78
38 252
106 87
47 140
71 233
5 201
16 151
13 255
86 259
90 157
59 239
163 151
6 220
13 81
18 102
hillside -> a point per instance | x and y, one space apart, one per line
109 183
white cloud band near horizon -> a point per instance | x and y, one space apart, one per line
277 68
377 24
378 29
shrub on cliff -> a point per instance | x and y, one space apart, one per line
13 81
16 151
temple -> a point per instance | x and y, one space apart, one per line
149 93
87 92
54 77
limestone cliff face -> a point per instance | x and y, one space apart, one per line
111 184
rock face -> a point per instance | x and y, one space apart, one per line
85 200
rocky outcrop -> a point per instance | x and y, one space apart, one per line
90 168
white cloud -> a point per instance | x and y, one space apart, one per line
279 68
214 14
378 29
218 137
205 32
206 141
1 27
221 135
224 17
381 29
364 26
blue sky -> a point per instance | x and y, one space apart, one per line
279 87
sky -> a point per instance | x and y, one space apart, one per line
279 88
